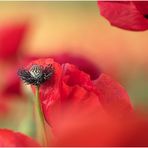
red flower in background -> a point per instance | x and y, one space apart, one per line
125 14
12 85
72 89
9 138
11 37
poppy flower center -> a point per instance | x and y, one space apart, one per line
36 71
37 74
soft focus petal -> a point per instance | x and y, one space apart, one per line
10 39
124 15
113 96
12 86
142 6
82 63
4 107
101 130
9 138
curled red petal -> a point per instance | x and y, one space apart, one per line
113 96
124 15
10 138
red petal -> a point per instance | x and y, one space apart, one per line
113 96
4 107
9 138
82 63
12 85
142 6
10 39
101 130
124 15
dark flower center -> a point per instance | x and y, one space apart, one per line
37 74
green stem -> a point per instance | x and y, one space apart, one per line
40 121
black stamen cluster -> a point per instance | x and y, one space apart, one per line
36 75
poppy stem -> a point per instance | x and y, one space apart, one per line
40 121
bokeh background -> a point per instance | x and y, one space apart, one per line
76 28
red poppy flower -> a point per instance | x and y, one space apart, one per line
72 89
9 138
125 14
10 39
11 36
